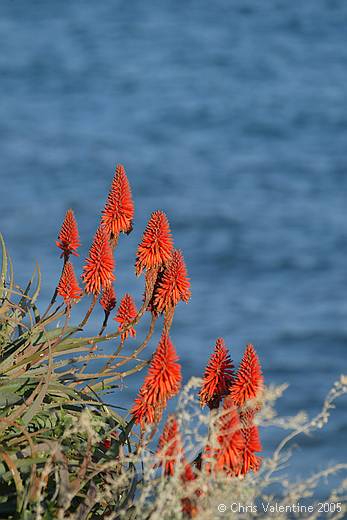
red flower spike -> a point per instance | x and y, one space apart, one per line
170 448
161 383
118 213
108 299
174 284
188 474
68 238
98 270
68 287
156 246
170 452
247 415
127 312
218 376
230 441
249 380
250 461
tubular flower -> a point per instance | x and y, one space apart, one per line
68 287
127 312
250 461
170 448
249 380
156 246
161 383
118 213
218 376
108 299
174 284
230 441
68 238
98 270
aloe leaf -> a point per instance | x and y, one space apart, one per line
9 398
3 267
38 285
36 313
21 464
48 335
35 407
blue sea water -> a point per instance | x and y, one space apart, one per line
231 117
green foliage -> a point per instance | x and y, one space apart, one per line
44 397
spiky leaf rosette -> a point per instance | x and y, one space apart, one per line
155 248
68 287
173 285
118 213
250 461
98 269
108 299
218 376
230 443
127 312
248 383
170 447
68 238
161 383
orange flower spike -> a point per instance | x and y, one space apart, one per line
98 269
108 299
218 376
248 383
188 474
174 284
162 382
250 461
118 213
143 411
127 312
231 442
170 448
68 238
68 287
156 246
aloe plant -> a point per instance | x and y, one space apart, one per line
44 392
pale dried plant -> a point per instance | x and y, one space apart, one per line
145 493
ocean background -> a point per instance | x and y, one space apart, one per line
231 116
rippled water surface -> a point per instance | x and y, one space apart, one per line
231 117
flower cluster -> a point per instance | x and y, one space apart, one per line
68 238
162 382
127 312
171 456
118 213
218 376
173 285
68 287
233 398
99 266
156 247
237 436
108 299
